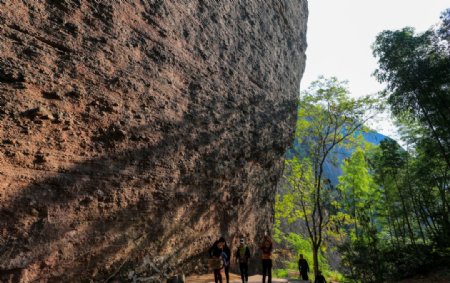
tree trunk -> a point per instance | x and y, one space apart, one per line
392 233
408 224
316 259
405 213
445 213
396 231
418 218
436 136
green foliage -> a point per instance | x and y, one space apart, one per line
359 196
387 264
327 118
444 28
335 276
416 69
397 198
404 212
390 212
300 245
281 273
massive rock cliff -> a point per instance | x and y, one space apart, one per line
133 133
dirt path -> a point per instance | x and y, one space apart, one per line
234 278
441 275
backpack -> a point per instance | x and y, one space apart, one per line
224 257
242 254
215 263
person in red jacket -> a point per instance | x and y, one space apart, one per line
266 257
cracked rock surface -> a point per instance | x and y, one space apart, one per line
134 133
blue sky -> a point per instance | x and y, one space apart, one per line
340 33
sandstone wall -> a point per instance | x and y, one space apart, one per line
134 133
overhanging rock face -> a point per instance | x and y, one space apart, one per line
134 133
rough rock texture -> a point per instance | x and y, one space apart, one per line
134 132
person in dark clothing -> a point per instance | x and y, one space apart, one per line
303 267
216 252
243 256
266 249
320 278
226 261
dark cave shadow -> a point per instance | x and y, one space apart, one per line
138 206
73 192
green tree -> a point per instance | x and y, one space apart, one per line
416 70
327 118
431 181
359 193
390 171
360 200
444 29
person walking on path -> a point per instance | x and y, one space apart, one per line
217 261
226 261
266 249
303 267
320 278
242 257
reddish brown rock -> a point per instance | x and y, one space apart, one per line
136 132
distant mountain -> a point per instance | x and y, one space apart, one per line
332 170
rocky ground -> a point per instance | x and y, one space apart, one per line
134 133
440 275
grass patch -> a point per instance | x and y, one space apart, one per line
280 273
